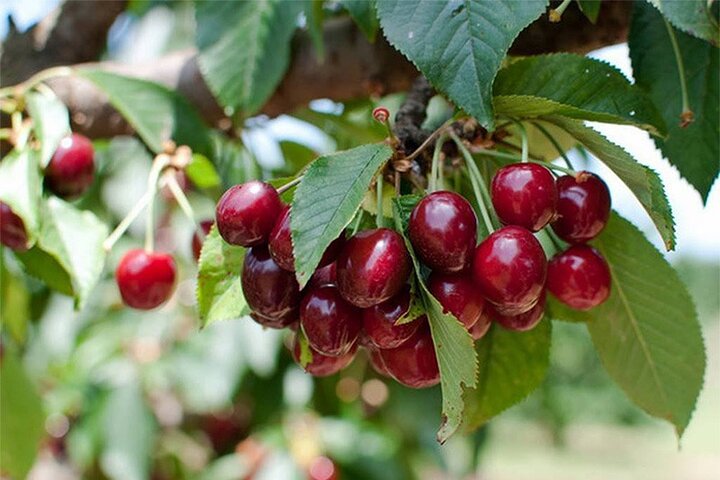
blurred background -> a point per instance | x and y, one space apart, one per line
132 395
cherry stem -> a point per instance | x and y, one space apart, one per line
554 239
478 182
169 179
125 223
552 166
432 183
160 162
379 217
358 219
289 185
554 142
429 140
524 139
39 77
680 66
555 14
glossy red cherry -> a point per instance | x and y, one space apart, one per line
373 266
459 295
510 267
414 363
281 247
269 290
12 230
246 213
330 323
522 321
443 231
524 194
379 321
324 365
583 207
326 275
197 242
377 363
579 277
145 280
72 167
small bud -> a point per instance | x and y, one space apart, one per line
381 114
686 118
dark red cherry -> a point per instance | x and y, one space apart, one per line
373 266
414 363
269 290
459 295
579 277
324 365
277 323
583 207
281 247
443 231
326 275
379 321
72 167
330 323
197 242
145 279
482 326
522 321
246 213
509 268
12 230
377 363
524 194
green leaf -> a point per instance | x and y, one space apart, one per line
695 149
647 333
245 48
22 425
156 112
363 12
51 122
573 86
315 15
219 287
69 256
202 172
21 188
641 180
232 161
453 344
296 156
539 144
459 46
512 365
558 311
15 301
591 8
691 16
326 201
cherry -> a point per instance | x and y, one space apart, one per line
377 363
72 167
414 363
12 230
510 267
583 207
524 194
270 291
197 242
281 247
246 213
579 277
331 324
288 320
379 322
443 231
145 279
372 267
458 295
482 326
524 321
324 365
326 275
322 468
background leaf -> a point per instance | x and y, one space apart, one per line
458 46
21 188
591 8
573 86
245 48
692 16
695 149
202 172
51 122
326 201
365 16
647 333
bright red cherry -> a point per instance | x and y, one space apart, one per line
443 231
579 277
281 247
459 295
524 321
197 242
583 207
324 365
510 267
72 168
379 321
145 279
524 194
331 324
12 230
414 363
326 275
373 266
246 213
269 290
